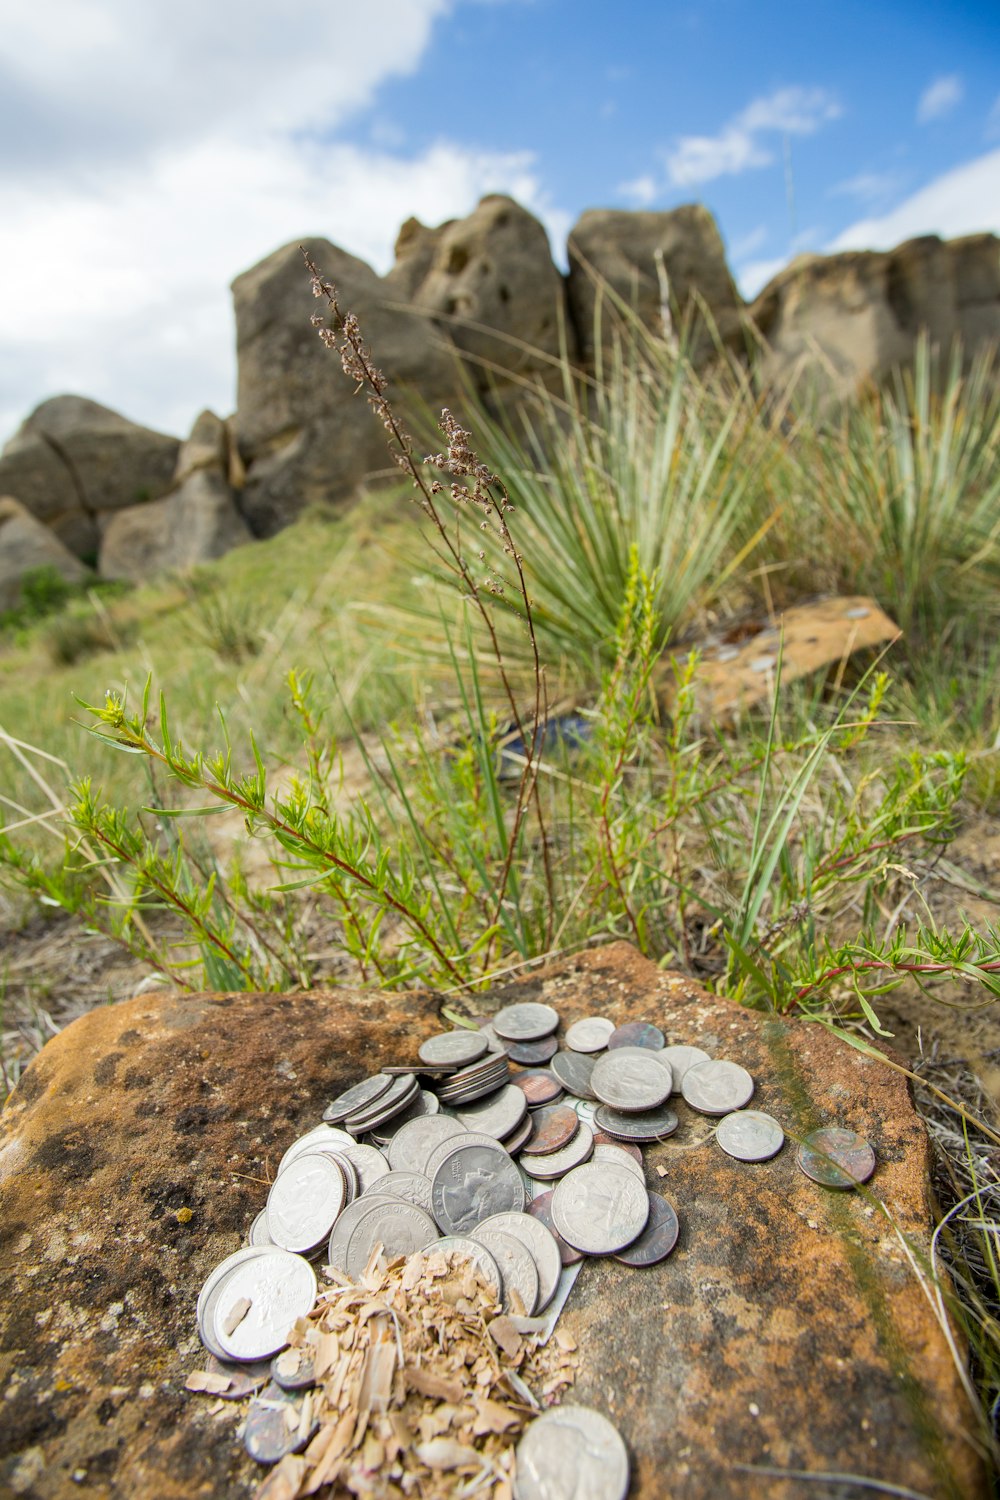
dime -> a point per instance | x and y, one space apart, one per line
600 1208
258 1233
527 1022
836 1158
530 1053
540 1243
498 1115
571 1453
636 1034
472 1184
630 1080
243 1379
458 1244
399 1227
323 1138
356 1097
657 1239
574 1070
413 1143
538 1086
558 1163
601 1139
750 1135
304 1201
717 1087
455 1047
515 1264
400 1094
589 1035
680 1059
652 1125
615 1151
540 1208
414 1187
553 1128
271 1429
277 1288
294 1369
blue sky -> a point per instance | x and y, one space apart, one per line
150 153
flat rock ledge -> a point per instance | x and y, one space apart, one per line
787 1330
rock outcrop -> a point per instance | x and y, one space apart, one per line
787 1331
25 547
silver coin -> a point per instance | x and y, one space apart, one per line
304 1201
493 1042
349 1170
574 1071
717 1087
513 1142
356 1097
499 1115
680 1059
413 1143
600 1208
458 1244
258 1233
323 1138
515 1264
651 1125
571 1453
558 1163
589 1035
414 1187
424 1103
346 1224
472 1184
213 1282
527 1022
605 1151
631 1080
399 1227
647 1053
368 1160
273 1424
455 1047
401 1092
541 1245
750 1135
279 1288
444 1150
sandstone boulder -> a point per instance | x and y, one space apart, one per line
786 1331
73 461
628 251
25 546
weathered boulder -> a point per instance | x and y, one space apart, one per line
840 321
628 251
73 460
786 1331
25 546
205 447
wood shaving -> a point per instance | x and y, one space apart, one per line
204 1380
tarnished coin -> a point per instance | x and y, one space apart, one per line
244 1380
538 1086
835 1157
571 1453
356 1097
750 1135
657 1239
590 1035
413 1143
680 1059
541 1245
602 1139
472 1184
467 1138
274 1426
558 1163
600 1208
652 1125
294 1369
498 1115
574 1071
636 1034
530 1053
459 1244
258 1303
323 1138
617 1152
717 1087
553 1128
399 1227
540 1208
304 1201
517 1138
258 1233
630 1080
527 1022
516 1266
400 1094
368 1160
414 1187
455 1047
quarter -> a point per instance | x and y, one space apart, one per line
750 1135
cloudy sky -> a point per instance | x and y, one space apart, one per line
150 152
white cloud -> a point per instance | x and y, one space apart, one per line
755 275
939 98
736 148
641 190
965 200
867 187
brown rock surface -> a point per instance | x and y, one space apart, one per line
787 1328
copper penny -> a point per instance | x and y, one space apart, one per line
529 1053
836 1158
602 1139
537 1086
657 1239
540 1208
554 1127
637 1034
